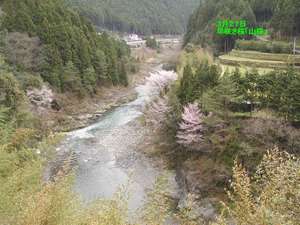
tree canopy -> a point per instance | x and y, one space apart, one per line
138 16
71 50
282 18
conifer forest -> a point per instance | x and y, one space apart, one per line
149 112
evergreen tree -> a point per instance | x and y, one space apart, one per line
70 78
51 66
45 30
206 77
286 15
219 98
84 54
112 67
282 16
66 37
123 74
185 91
89 80
192 86
23 19
138 16
11 94
151 43
293 97
100 66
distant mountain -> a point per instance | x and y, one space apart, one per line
138 16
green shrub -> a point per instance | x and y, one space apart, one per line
11 95
189 48
152 43
32 81
277 48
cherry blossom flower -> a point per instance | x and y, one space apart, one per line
190 131
157 112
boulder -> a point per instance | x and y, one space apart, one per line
55 105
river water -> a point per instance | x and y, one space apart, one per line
107 154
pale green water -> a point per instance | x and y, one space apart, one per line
107 155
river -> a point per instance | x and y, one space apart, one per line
107 153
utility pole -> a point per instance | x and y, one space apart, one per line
294 46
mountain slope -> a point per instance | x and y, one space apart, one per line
281 17
66 50
139 16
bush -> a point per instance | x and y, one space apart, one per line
32 81
271 196
11 95
152 43
189 48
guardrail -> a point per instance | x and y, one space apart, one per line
136 44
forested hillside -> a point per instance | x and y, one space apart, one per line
47 39
138 16
192 138
281 18
238 96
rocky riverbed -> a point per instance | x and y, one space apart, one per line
106 151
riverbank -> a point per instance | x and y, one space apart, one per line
107 154
76 113
116 149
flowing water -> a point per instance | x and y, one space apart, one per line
107 153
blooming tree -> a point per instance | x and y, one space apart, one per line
157 112
162 79
190 131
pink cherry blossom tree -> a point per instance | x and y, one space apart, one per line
162 79
157 112
190 132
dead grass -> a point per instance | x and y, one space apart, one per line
194 58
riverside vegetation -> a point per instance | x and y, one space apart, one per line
211 121
43 41
220 122
226 119
230 118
